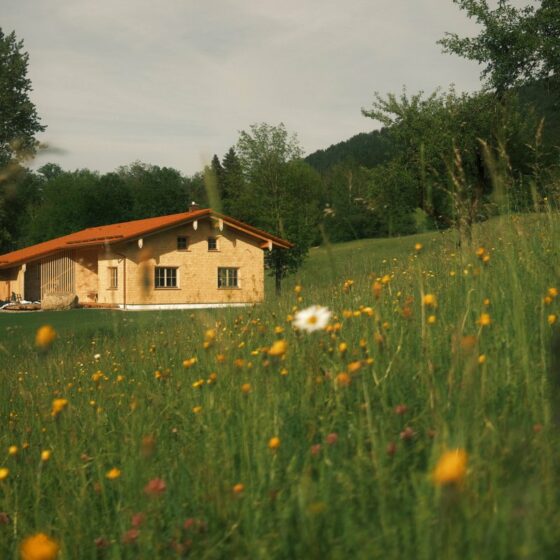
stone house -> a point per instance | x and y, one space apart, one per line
194 259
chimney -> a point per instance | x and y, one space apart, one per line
194 206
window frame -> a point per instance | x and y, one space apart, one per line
226 276
181 238
113 283
215 242
166 278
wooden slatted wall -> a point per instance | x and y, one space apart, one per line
58 274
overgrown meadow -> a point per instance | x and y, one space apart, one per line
420 423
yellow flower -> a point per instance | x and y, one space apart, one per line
238 488
113 474
552 318
485 320
278 348
45 337
197 409
377 289
430 300
297 289
4 472
45 455
39 547
418 247
482 359
12 450
189 362
451 467
552 292
58 405
354 367
342 347
432 319
343 379
274 443
246 388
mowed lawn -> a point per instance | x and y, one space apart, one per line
420 423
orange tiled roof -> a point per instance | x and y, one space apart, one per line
125 231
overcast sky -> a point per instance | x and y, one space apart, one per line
174 81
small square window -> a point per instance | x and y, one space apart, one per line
165 277
182 243
212 244
113 277
228 278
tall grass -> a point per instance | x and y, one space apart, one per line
352 476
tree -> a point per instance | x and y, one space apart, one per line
19 122
155 190
280 193
442 143
515 45
232 180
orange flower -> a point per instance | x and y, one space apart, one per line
430 300
45 336
278 348
113 474
451 468
39 547
246 388
274 443
58 405
238 488
343 379
485 320
354 367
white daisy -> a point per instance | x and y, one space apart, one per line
314 318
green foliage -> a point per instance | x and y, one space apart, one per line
155 190
19 122
515 45
279 194
366 149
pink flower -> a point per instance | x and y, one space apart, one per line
156 487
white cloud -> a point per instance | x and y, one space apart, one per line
173 82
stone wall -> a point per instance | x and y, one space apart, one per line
197 267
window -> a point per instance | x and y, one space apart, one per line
165 277
182 243
212 244
228 278
113 277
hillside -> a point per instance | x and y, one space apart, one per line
374 148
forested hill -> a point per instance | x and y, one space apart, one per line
367 149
